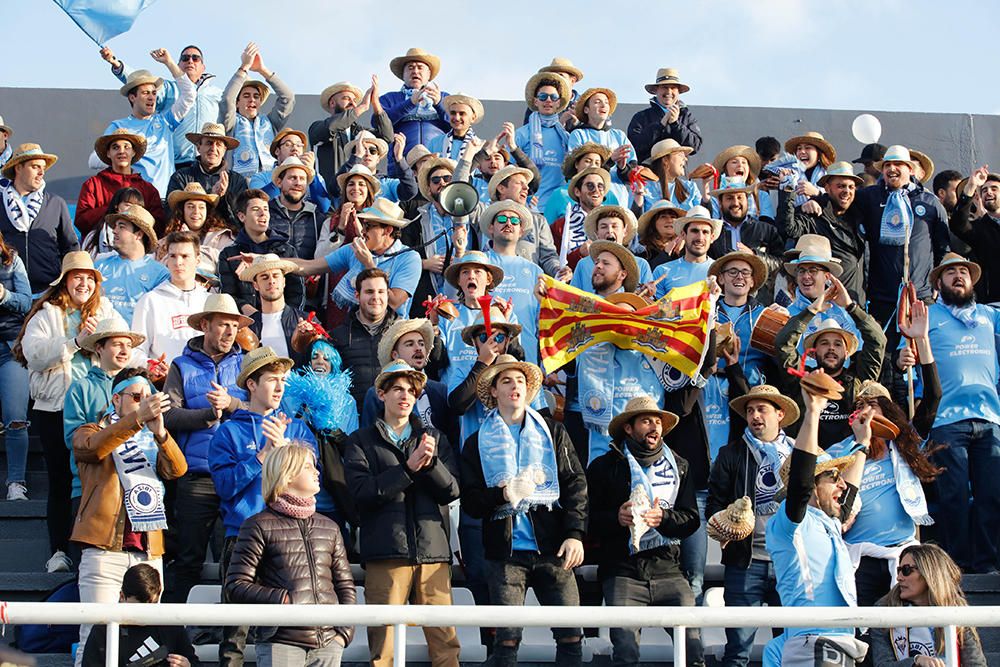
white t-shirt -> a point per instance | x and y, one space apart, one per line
272 334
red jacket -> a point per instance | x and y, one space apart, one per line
97 191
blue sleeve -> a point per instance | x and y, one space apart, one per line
405 272
18 300
340 259
73 413
230 473
396 105
319 195
260 180
390 189
522 136
162 275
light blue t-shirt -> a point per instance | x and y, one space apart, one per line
519 279
125 280
680 272
403 269
584 271
882 519
654 193
550 166
157 163
612 138
523 533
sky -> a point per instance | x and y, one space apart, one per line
892 55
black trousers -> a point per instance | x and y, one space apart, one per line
57 455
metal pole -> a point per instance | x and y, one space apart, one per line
951 647
399 648
680 646
111 645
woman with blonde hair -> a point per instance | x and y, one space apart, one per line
926 577
50 347
290 554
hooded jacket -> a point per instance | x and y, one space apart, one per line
243 292
97 191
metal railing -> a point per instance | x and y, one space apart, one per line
679 618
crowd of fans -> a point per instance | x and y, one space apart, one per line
293 332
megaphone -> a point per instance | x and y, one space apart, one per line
458 199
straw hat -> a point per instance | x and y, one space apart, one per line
698 214
280 136
385 212
926 163
757 266
104 142
814 249
662 206
261 87
191 191
563 66
111 327
607 210
813 139
477 258
871 389
257 359
745 152
292 163
467 100
582 174
414 155
26 153
214 131
585 96
218 304
840 170
831 325
399 329
502 174
771 394
640 405
569 162
367 137
398 64
558 80
77 260
498 207
374 186
497 321
731 186
662 149
667 76
954 259
824 463
138 78
895 153
339 87
397 368
532 373
624 256
266 262
138 216
424 175
4 127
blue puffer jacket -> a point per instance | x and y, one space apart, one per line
199 371
402 113
16 300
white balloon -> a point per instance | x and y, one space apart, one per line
866 128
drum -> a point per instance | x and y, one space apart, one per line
766 330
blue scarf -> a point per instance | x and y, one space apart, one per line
432 224
21 211
424 111
897 218
536 122
652 538
770 456
528 466
964 314
596 385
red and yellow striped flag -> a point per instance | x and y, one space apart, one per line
674 329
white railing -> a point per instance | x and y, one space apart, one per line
680 618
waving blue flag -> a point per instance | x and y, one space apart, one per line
103 19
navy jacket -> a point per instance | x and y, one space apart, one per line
400 109
43 246
645 129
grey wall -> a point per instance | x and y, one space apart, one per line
67 121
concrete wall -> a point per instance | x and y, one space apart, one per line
67 121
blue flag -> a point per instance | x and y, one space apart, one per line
103 19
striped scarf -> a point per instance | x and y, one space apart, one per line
536 122
574 227
22 210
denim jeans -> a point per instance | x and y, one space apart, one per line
285 655
509 581
14 404
751 587
197 510
662 591
969 532
694 552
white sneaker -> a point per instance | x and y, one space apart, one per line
59 562
17 491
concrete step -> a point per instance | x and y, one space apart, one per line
23 555
31 586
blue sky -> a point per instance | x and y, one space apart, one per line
893 55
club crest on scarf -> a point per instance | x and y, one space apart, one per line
526 467
666 483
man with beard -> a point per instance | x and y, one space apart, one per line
830 215
276 323
292 143
202 387
699 231
130 271
811 563
870 154
536 244
968 417
743 232
614 224
945 186
832 346
292 215
211 170
748 466
983 233
346 105
588 189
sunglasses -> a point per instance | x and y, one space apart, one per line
594 187
372 150
135 395
546 97
498 337
906 570
504 219
366 225
831 475
437 180
193 57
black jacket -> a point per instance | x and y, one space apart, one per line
194 173
358 350
756 234
329 138
404 514
983 235
171 639
609 485
46 242
645 129
242 291
733 475
568 518
289 321
302 227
